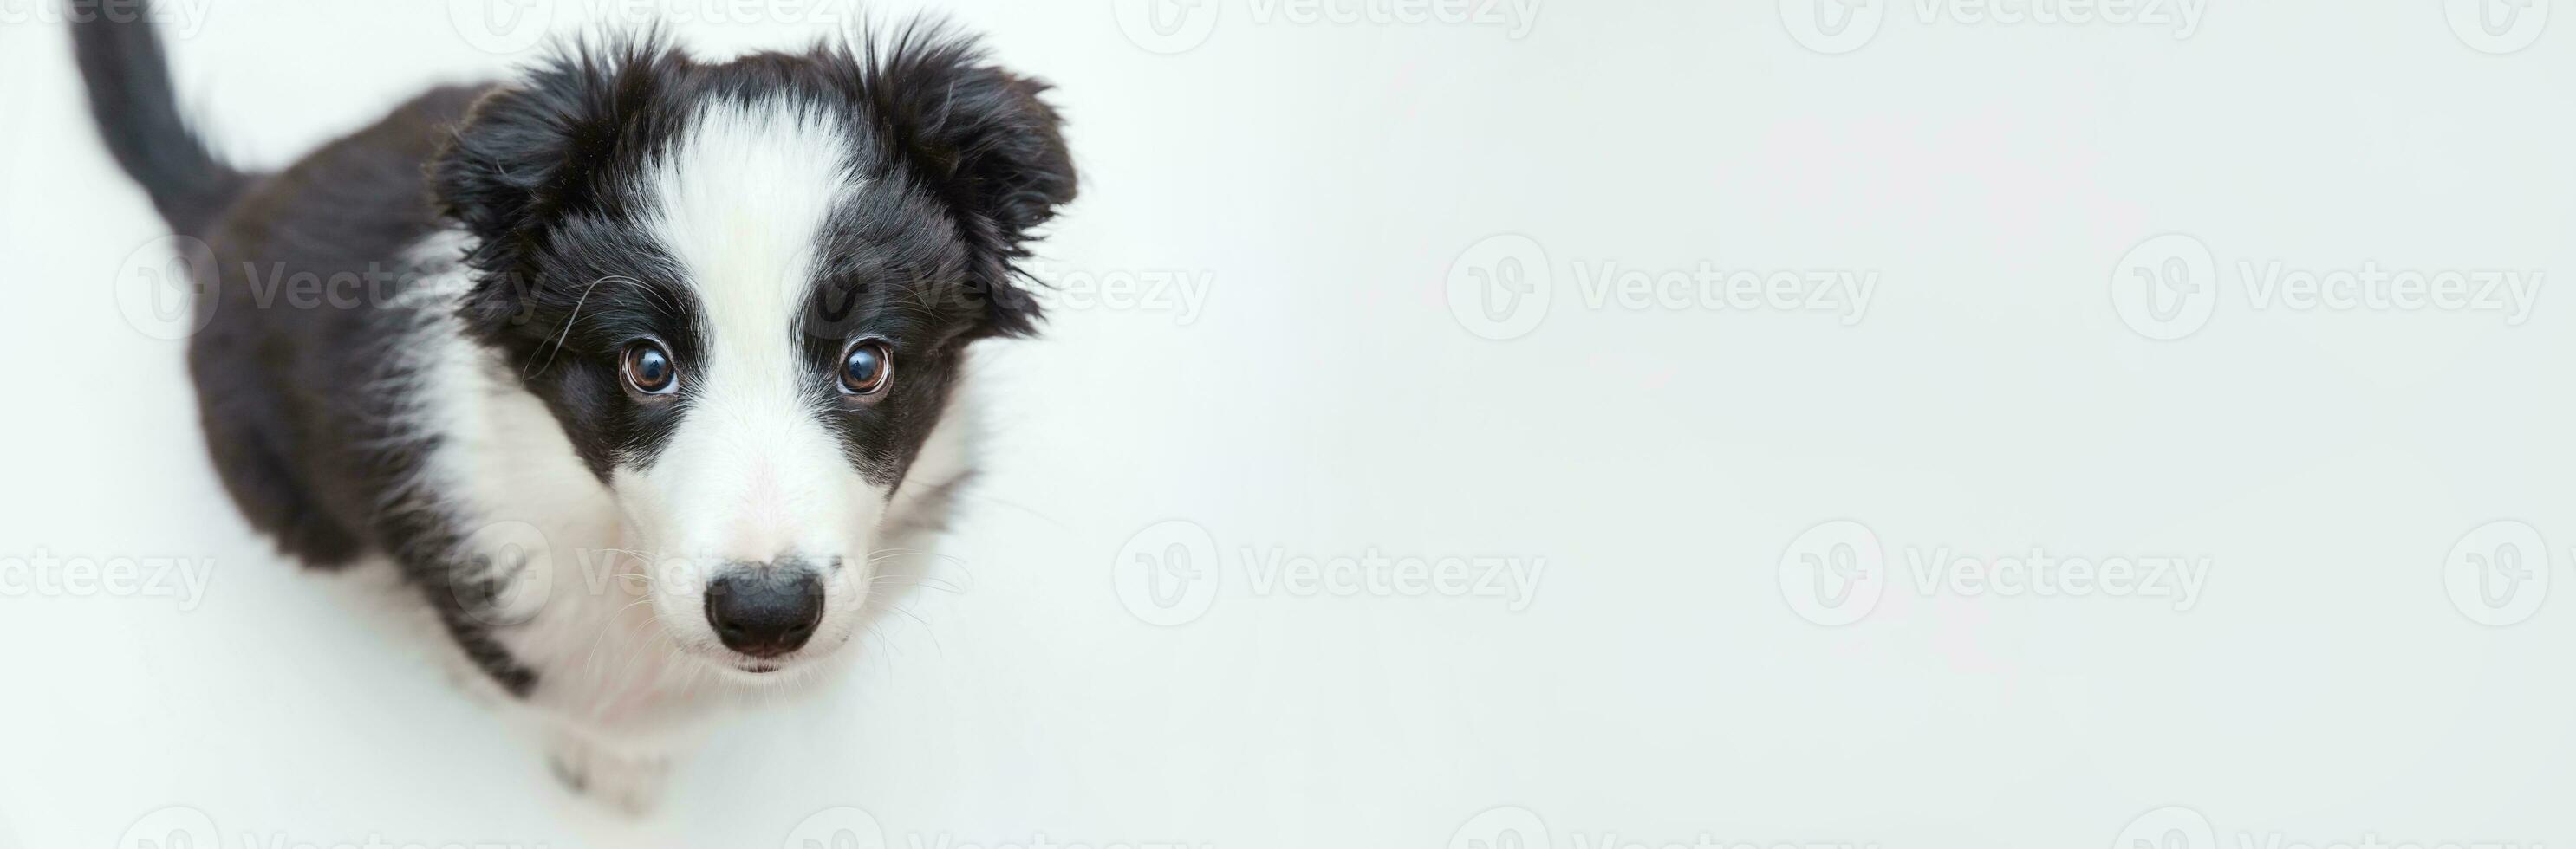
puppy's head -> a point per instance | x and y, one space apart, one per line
745 289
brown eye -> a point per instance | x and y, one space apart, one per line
649 369
866 367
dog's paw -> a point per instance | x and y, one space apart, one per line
628 782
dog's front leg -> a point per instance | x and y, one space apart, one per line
627 780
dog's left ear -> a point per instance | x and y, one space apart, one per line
980 138
532 154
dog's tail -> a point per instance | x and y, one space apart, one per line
130 95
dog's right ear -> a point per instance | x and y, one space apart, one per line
982 139
529 153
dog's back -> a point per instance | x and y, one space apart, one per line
303 298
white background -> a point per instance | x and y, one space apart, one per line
1326 180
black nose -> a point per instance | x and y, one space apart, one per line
765 610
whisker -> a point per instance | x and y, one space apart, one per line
565 335
977 494
917 581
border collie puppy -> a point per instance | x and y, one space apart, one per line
674 357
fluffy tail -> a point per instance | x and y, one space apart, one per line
129 93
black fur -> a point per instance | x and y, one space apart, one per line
138 116
967 159
303 407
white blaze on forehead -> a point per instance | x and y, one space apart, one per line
741 201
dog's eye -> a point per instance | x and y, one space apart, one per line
649 369
866 367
